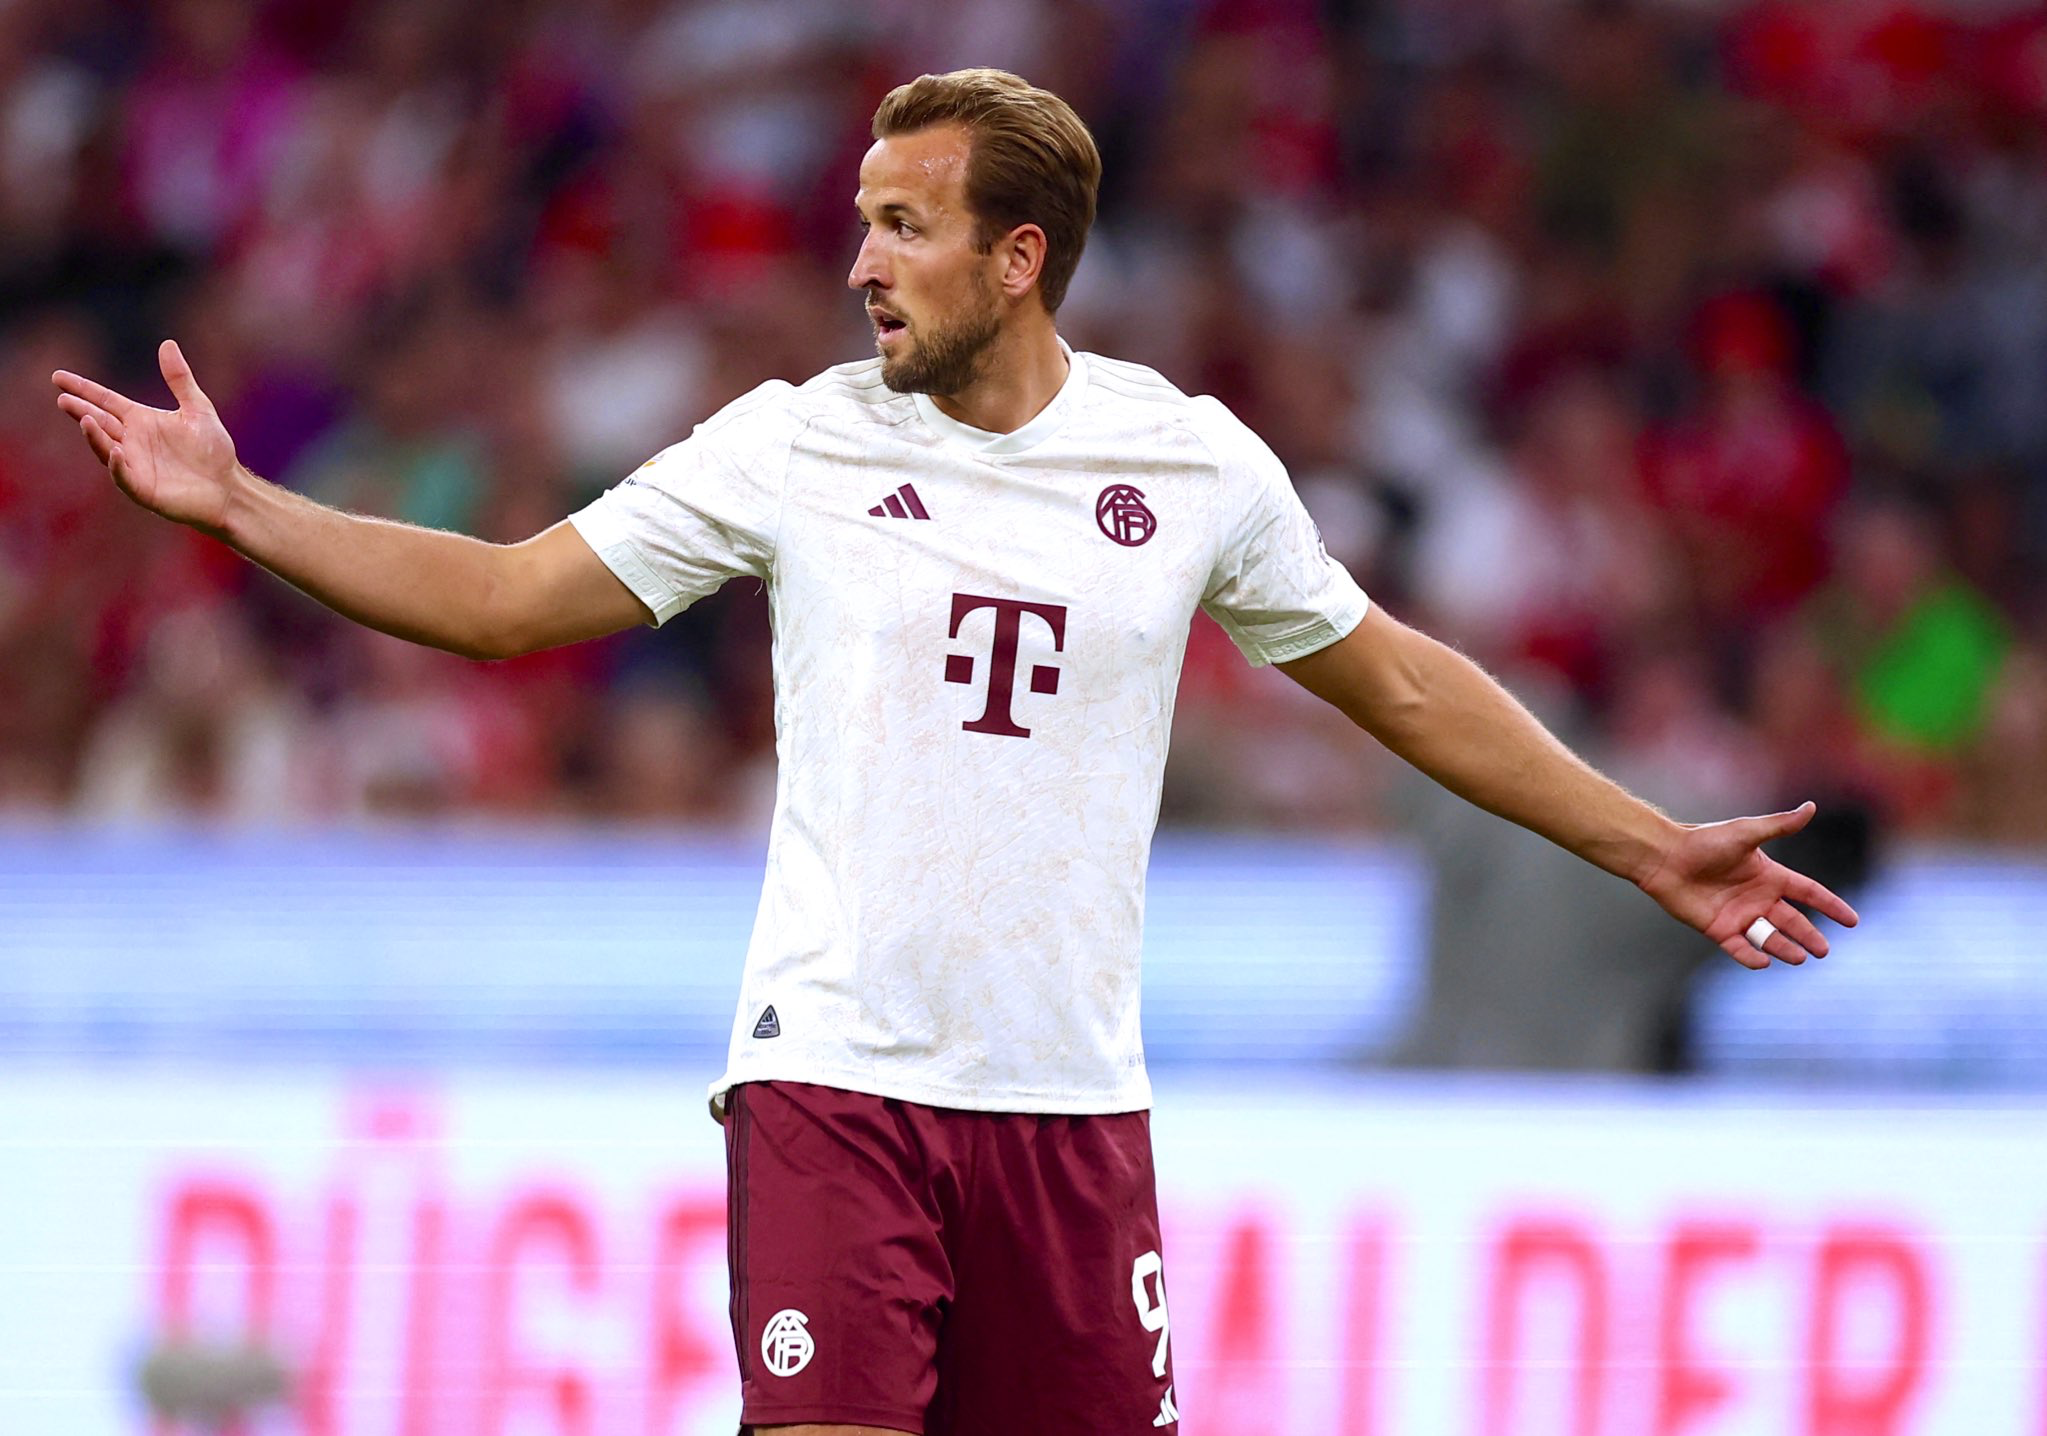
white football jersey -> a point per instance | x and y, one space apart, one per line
977 642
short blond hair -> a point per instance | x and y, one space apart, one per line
1030 160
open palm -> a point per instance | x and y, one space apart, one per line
1718 879
176 462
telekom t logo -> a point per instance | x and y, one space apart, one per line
1009 614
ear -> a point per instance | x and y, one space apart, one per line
1022 252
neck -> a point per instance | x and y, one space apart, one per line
1022 374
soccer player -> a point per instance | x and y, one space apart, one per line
982 552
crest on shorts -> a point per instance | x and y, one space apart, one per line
786 1347
1120 513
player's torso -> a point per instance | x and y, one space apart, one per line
1039 597
976 658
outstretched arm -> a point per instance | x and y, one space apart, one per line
447 590
1445 715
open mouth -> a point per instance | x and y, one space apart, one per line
886 325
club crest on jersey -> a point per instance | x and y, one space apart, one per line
785 1346
1120 513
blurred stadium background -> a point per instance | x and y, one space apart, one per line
1684 362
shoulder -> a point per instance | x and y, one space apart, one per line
1205 420
759 429
779 409
854 389
1136 384
1150 399
851 391
1142 390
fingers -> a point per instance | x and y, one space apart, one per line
1779 825
119 405
1782 948
81 409
117 465
1802 889
96 438
1744 952
1796 936
1799 929
1776 945
178 374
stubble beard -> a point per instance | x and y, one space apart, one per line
945 360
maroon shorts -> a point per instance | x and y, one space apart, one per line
939 1271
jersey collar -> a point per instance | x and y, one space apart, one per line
1044 426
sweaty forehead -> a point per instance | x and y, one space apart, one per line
926 167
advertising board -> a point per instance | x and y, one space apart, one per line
515 1255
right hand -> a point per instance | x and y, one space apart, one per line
176 462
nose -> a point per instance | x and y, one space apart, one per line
868 271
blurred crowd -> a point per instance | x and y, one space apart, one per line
1687 364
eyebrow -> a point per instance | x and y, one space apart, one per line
893 207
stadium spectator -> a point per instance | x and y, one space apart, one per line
1449 257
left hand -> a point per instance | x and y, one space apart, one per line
1716 878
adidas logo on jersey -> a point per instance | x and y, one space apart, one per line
902 504
769 1025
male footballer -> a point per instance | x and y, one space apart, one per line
982 552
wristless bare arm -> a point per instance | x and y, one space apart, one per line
447 590
1445 715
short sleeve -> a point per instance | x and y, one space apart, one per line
701 511
1274 589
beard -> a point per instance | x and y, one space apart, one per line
946 359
